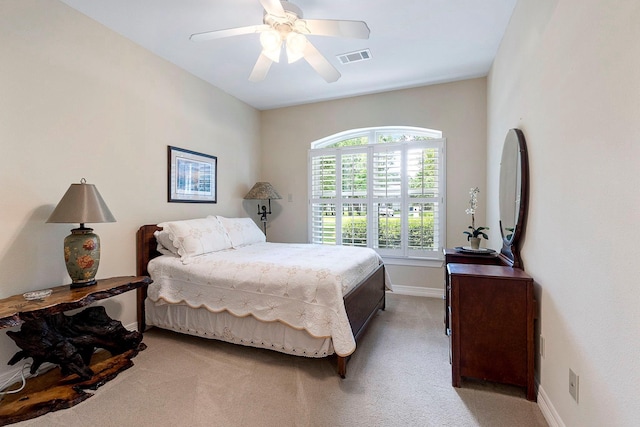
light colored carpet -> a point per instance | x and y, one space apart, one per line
399 376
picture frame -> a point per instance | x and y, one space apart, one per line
192 176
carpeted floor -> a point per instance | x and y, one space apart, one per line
399 376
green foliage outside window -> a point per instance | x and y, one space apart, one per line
421 232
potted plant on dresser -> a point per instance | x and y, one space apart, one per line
475 234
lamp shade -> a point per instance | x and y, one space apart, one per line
82 203
262 191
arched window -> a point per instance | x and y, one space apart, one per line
382 188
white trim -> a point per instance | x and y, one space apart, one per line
418 291
548 411
6 376
356 133
415 262
13 373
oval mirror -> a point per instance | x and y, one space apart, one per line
513 194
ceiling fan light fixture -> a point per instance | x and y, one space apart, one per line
271 42
272 54
270 39
282 24
293 56
296 43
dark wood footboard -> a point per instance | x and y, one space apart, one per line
361 303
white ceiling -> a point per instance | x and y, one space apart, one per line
412 43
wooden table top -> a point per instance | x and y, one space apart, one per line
16 309
494 271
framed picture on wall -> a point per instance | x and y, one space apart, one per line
192 176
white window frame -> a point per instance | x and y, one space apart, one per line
432 258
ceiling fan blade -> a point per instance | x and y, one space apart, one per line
337 28
273 7
218 34
320 63
261 68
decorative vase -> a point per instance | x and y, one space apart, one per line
475 242
82 256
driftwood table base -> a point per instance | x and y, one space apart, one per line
69 341
48 335
51 391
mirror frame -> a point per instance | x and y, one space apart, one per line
510 251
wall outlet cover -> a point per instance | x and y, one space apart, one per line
573 385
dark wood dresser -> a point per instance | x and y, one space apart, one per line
491 322
452 256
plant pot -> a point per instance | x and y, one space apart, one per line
475 242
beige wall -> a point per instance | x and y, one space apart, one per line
77 100
567 73
457 109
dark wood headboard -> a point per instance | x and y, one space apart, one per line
145 248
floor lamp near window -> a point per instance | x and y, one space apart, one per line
263 191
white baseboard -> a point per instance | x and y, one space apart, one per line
418 291
5 377
13 376
548 411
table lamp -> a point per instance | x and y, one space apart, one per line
82 203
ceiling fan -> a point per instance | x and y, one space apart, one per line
283 26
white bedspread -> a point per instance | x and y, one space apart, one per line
301 285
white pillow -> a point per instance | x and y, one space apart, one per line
165 245
195 237
242 231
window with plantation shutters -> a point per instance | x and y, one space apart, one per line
381 188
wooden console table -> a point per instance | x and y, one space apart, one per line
16 310
63 389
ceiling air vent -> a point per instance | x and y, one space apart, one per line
361 55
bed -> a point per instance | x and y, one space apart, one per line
233 290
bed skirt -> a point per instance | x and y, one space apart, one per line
247 331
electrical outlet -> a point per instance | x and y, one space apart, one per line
541 346
290 197
573 385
